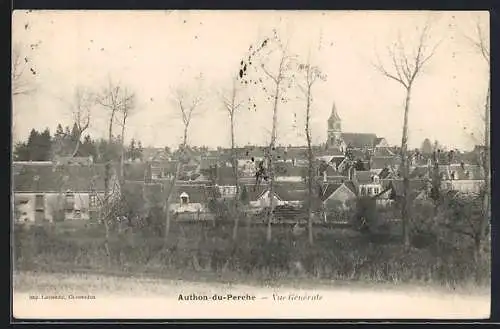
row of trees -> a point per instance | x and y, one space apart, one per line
42 146
405 67
272 72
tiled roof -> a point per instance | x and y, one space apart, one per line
330 152
225 176
328 190
420 172
168 167
358 154
467 171
381 162
208 162
152 154
284 191
378 140
135 171
385 173
359 140
196 193
154 194
50 178
68 160
364 177
288 169
416 186
350 185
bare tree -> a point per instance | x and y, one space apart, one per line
311 74
232 105
405 69
84 100
112 100
187 102
279 78
20 71
481 43
126 109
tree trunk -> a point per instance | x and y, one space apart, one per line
166 205
236 177
405 213
107 178
270 169
77 146
122 153
310 168
485 222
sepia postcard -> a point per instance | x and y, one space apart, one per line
209 164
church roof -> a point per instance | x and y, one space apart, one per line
334 115
359 140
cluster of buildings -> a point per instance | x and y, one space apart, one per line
346 167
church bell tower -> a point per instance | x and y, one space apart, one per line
334 129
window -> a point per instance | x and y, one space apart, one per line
39 202
93 201
70 201
184 198
370 191
375 190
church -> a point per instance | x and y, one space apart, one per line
341 141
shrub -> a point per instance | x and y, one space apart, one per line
199 247
365 218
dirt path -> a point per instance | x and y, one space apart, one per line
118 297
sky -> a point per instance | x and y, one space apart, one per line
155 53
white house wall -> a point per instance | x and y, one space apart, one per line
191 207
52 201
293 179
263 201
464 186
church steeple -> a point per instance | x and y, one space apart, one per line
334 116
334 128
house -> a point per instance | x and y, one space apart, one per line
68 160
379 163
162 169
367 183
53 192
335 195
137 171
142 196
465 178
190 198
288 172
337 198
284 194
394 191
155 154
462 178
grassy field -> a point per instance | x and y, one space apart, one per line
206 252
